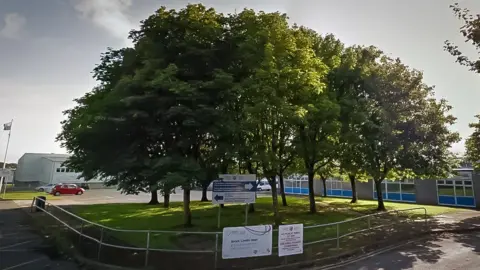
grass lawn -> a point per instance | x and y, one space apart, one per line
146 217
369 206
25 195
204 218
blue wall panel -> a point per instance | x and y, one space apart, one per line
466 201
336 192
409 197
394 196
347 193
446 200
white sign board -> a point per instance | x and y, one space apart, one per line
233 197
233 191
290 239
245 242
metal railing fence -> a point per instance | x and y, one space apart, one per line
330 232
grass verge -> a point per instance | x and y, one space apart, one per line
370 206
204 214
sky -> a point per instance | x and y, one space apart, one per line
48 49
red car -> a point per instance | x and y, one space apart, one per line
67 189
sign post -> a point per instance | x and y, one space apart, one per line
234 188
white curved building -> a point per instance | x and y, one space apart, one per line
35 169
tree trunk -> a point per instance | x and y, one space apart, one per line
282 189
204 194
324 181
187 214
378 187
276 215
154 197
311 195
166 200
354 188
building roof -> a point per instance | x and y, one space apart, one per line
49 156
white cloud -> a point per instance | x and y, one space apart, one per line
13 26
111 15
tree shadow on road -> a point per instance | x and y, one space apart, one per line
427 244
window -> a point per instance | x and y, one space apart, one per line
446 190
393 187
408 188
58 169
62 170
459 191
469 191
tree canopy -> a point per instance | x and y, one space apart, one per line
202 93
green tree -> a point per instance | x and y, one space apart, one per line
317 123
268 109
472 144
471 33
185 60
325 172
96 130
347 81
407 128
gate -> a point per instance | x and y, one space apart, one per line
403 190
456 191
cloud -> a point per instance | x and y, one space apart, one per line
111 15
14 24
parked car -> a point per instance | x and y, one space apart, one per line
67 189
263 185
46 188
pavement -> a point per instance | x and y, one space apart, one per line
447 252
21 247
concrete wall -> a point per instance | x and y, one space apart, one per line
365 190
476 188
426 191
318 187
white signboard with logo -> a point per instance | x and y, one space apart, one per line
248 241
290 239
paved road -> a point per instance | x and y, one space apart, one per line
448 252
21 247
100 196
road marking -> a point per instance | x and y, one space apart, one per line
17 244
23 264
